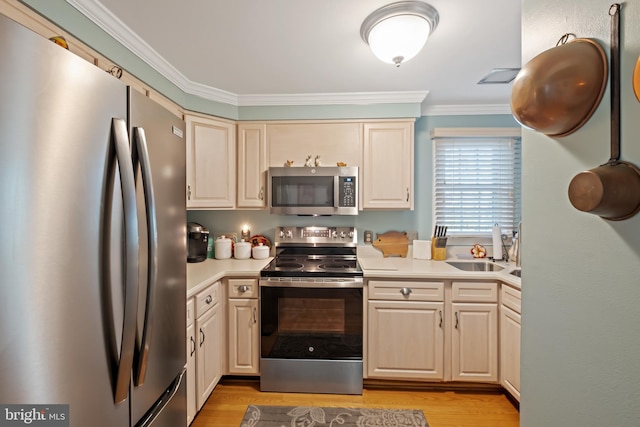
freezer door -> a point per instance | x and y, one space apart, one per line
160 354
61 304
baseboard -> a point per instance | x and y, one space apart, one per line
460 387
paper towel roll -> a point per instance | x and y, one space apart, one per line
497 242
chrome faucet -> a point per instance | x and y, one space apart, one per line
517 244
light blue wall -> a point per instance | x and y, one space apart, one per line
424 157
581 274
68 18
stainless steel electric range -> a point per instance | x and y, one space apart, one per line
311 312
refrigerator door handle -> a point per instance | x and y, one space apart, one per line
140 154
127 179
162 402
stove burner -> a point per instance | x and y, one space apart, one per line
335 266
289 265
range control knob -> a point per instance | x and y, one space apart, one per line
281 234
351 234
342 234
334 234
289 234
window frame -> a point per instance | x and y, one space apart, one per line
477 133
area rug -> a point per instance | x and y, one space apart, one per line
312 416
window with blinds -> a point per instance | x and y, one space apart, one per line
476 183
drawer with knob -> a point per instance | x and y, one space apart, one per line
206 299
243 288
406 290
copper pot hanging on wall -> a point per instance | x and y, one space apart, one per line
611 190
558 90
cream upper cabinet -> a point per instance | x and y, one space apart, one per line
387 170
328 141
211 160
252 165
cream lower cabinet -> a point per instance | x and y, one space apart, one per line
387 167
243 327
252 165
210 342
405 332
510 340
211 163
191 362
474 331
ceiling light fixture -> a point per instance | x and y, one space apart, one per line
398 31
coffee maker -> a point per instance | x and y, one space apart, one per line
197 240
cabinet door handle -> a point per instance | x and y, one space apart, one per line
189 192
440 325
208 299
201 337
405 291
261 195
244 288
193 346
255 315
407 194
457 320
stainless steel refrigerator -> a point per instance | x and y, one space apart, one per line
92 241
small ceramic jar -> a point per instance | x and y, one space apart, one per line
222 248
242 250
260 251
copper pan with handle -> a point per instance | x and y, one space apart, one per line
611 190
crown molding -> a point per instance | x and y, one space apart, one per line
346 98
95 11
465 110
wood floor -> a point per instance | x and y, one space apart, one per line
229 400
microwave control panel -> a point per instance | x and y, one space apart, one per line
347 191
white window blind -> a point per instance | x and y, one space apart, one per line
476 183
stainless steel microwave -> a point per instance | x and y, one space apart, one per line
313 190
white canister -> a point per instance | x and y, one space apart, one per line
222 248
260 251
242 250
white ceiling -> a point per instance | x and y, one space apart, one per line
266 52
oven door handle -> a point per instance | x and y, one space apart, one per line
302 282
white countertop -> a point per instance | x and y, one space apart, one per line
410 268
202 274
375 265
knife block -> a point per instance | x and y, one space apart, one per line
437 254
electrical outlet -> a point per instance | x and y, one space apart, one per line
368 237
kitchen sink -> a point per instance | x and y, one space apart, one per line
474 265
517 273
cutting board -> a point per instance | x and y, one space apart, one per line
392 243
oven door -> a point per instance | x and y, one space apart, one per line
311 336
311 322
